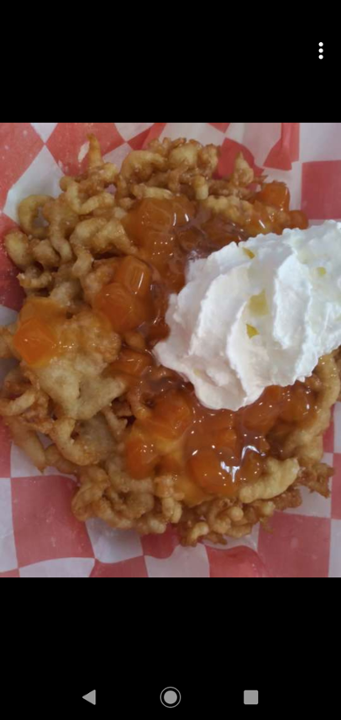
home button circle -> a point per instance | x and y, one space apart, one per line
170 697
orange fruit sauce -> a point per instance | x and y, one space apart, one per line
210 452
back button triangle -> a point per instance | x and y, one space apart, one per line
90 697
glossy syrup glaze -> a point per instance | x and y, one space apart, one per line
210 452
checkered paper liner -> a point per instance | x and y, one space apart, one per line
39 537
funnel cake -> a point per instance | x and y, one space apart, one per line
98 265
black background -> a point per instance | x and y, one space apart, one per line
130 639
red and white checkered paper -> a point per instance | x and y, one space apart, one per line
39 537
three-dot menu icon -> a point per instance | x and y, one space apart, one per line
321 50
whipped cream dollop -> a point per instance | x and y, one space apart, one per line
256 314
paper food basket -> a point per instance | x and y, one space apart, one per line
39 537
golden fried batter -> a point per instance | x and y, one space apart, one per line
69 383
